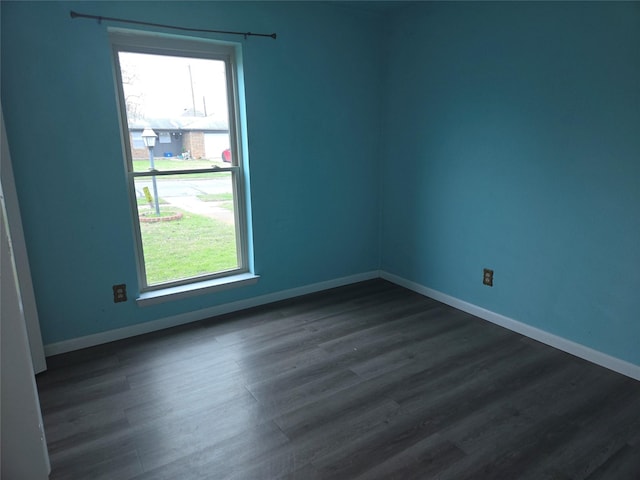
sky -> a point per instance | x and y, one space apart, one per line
160 85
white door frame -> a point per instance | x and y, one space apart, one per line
24 447
20 254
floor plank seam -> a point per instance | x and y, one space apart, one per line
368 381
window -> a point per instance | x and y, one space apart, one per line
188 204
164 137
136 138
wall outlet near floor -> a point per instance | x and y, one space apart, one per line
487 277
120 293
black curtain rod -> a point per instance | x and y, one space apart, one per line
187 29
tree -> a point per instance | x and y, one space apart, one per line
133 96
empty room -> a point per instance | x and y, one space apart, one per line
333 239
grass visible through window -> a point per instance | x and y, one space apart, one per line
164 164
215 197
194 245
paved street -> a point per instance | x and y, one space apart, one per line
180 188
183 194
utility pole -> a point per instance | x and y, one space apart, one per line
193 97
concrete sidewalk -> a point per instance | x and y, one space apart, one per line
207 209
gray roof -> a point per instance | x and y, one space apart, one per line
180 123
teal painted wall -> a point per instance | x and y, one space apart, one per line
313 115
515 134
431 141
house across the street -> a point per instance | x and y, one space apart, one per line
191 137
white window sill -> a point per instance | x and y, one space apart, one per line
200 288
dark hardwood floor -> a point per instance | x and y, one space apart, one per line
368 381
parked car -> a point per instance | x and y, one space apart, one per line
226 155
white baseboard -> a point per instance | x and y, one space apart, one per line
152 326
586 353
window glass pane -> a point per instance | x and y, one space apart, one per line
195 233
182 102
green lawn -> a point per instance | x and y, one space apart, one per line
166 164
162 163
194 245
215 197
222 200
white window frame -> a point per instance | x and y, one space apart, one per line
150 43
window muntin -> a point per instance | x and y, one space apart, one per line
201 231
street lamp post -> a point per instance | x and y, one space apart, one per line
149 137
